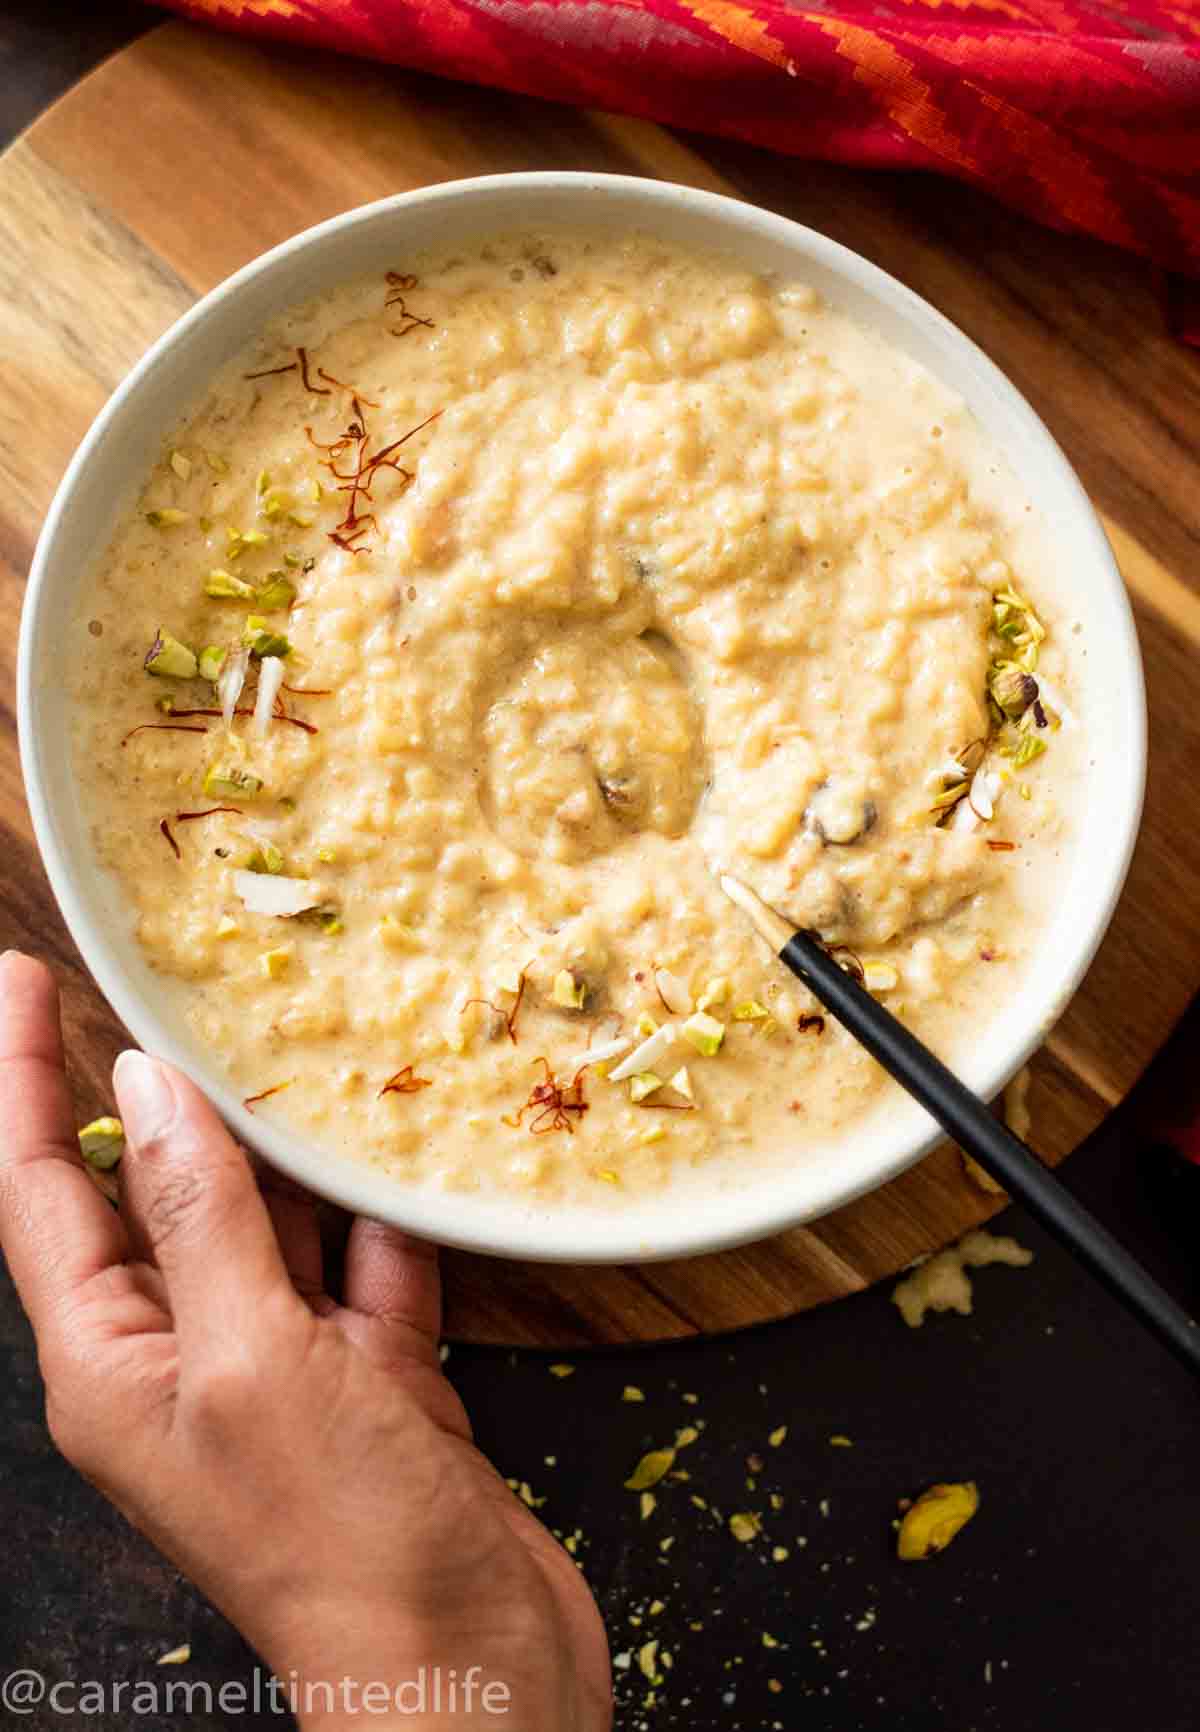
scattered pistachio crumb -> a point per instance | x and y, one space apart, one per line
653 1466
167 517
646 1659
647 1503
632 1393
840 1441
744 1526
176 1656
562 1370
933 1520
777 1436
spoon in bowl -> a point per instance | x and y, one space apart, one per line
966 1118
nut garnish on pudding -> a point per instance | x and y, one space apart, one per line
477 611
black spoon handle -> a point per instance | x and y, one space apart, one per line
973 1126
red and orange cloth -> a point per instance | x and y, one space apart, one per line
1084 113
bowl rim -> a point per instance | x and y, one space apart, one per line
528 1231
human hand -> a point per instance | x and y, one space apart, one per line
304 1461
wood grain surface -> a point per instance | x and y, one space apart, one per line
190 153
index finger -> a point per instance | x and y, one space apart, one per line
56 1229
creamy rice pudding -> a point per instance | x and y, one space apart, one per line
474 615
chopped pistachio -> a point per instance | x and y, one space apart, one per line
327 855
300 519
631 1392
681 1082
265 858
275 963
277 593
656 1464
685 1435
167 517
181 465
646 1658
210 661
934 1519
223 586
168 656
643 1084
567 991
776 1437
607 1176
750 1010
716 992
1012 689
840 1441
331 923
744 1526
647 1504
1027 748
102 1143
261 640
646 1024
261 482
227 927
294 560
228 780
216 463
655 1135
704 1032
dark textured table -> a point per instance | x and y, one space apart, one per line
1070 1601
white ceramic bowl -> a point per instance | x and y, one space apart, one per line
104 477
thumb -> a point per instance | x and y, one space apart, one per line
189 1193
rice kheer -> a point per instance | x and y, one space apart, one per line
476 615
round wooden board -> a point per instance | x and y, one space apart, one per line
191 152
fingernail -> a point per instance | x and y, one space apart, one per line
145 1096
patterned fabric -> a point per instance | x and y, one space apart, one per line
1083 113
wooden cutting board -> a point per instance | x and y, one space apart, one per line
189 153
